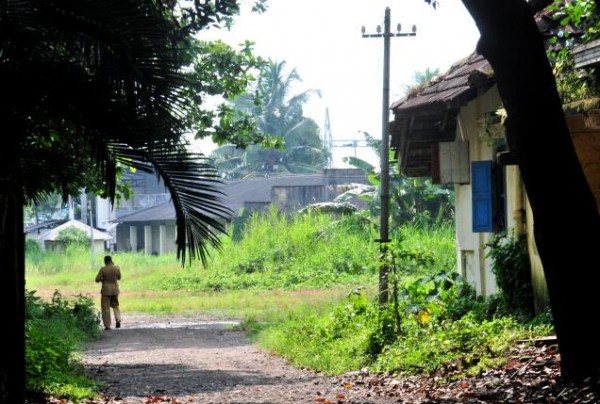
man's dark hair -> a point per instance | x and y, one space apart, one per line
107 260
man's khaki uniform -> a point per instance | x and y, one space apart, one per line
109 275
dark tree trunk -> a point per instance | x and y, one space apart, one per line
565 216
12 294
12 259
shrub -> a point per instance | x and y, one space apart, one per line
32 246
54 330
72 236
513 274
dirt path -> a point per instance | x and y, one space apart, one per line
202 360
179 360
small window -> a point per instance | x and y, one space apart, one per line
481 189
488 197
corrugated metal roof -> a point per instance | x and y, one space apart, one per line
459 85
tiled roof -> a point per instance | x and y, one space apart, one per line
460 84
473 73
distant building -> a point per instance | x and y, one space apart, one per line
47 235
147 222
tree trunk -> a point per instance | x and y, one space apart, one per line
12 257
565 215
12 294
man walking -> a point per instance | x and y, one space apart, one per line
109 275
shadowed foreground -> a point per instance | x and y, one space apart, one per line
198 360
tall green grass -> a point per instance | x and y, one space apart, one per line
275 253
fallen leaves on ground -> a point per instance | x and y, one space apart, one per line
531 374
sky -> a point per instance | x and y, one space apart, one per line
322 40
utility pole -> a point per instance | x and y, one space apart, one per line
327 138
92 233
385 149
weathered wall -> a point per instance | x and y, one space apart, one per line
292 198
470 247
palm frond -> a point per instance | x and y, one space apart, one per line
196 190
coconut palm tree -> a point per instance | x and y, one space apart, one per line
277 113
88 86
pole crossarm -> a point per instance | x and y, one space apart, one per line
389 35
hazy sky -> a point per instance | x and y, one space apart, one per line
322 40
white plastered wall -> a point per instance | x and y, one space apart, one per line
471 247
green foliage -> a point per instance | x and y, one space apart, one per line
464 343
573 84
32 247
286 252
462 299
54 330
227 72
419 201
421 80
334 208
331 341
441 329
238 225
443 325
73 237
412 200
434 322
44 210
512 269
277 115
147 73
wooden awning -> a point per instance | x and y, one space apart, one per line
428 116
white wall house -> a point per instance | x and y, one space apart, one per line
49 238
450 131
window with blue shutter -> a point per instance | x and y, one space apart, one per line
482 194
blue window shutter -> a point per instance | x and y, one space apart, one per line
481 189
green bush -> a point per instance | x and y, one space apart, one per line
32 247
54 330
275 251
72 236
512 269
437 324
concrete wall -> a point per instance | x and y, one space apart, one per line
160 240
292 198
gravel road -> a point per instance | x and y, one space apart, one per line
203 360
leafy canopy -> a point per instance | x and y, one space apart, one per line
92 86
